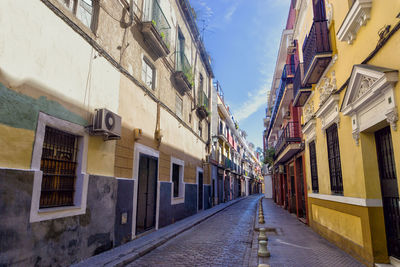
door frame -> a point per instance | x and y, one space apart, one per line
199 169
142 149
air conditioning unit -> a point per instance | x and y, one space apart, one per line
107 123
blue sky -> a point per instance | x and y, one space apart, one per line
242 37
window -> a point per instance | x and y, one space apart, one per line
200 129
178 106
82 9
148 74
178 186
313 167
335 170
175 178
58 165
59 159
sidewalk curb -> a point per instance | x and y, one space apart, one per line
124 254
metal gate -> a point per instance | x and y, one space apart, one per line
147 193
389 187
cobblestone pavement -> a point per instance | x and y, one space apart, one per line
222 240
228 239
296 244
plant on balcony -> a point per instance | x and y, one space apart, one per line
269 157
154 23
189 76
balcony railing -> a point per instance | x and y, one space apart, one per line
301 92
288 72
202 104
184 73
317 52
290 134
279 95
228 163
156 29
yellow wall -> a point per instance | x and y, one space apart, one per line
362 226
16 147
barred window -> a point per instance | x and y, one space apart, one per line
58 164
335 169
176 179
313 167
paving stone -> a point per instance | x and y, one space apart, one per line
296 244
222 240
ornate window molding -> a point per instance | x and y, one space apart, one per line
329 112
369 98
308 111
328 86
357 16
309 130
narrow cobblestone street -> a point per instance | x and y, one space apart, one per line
225 240
222 240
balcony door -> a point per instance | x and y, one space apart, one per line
319 10
389 188
180 49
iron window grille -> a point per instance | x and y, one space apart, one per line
175 178
335 170
313 166
58 164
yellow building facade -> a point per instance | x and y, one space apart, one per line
349 123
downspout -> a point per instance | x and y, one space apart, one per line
130 13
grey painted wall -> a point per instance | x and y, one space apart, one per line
124 208
172 213
207 197
56 242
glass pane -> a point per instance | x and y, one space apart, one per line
84 12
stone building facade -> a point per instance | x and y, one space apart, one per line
104 125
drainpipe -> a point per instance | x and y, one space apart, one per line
130 13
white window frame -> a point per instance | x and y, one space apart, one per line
148 65
179 113
82 179
181 196
74 7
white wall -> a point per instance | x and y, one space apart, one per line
268 186
38 47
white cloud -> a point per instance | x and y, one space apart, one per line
231 11
207 12
253 103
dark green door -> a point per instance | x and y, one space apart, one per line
147 193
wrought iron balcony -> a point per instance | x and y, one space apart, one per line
290 134
317 52
183 72
288 72
156 30
301 92
228 163
279 94
202 105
